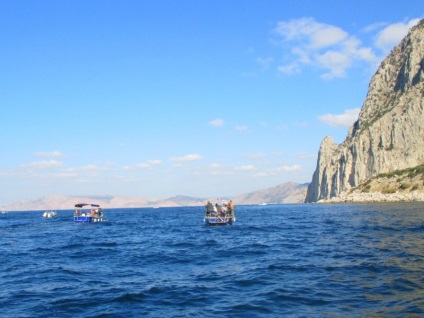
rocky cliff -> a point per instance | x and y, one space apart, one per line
389 134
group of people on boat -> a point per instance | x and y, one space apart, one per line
224 211
94 212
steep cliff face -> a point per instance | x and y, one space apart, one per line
389 134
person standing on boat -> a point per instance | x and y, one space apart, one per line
231 208
209 208
223 210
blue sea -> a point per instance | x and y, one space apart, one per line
276 261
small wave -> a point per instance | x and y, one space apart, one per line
105 244
247 308
130 297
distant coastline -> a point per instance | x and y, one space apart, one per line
289 192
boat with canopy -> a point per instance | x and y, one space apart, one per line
220 214
88 213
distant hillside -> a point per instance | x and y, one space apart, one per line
180 200
67 202
284 193
289 192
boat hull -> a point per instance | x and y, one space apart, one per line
87 219
212 220
49 215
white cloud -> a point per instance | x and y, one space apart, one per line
63 175
342 120
290 69
375 26
143 165
221 173
303 155
88 170
91 168
290 168
214 166
257 155
50 154
317 35
44 164
336 62
245 168
186 158
264 62
137 166
302 55
320 45
241 128
217 122
392 34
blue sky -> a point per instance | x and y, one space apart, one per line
161 98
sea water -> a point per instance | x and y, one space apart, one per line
276 261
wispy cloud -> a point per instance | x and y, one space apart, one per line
256 155
320 45
53 169
43 164
341 120
143 165
290 168
49 154
217 122
187 158
392 34
261 175
214 166
87 170
317 35
303 155
241 128
264 62
245 168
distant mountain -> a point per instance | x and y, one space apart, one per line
67 202
180 200
289 192
284 193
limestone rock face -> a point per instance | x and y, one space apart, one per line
389 134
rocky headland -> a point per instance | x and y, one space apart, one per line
386 140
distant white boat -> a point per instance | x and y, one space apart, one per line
49 214
3 212
263 203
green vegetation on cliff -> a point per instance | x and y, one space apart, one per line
405 180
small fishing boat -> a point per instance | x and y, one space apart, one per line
4 212
88 213
220 214
49 214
